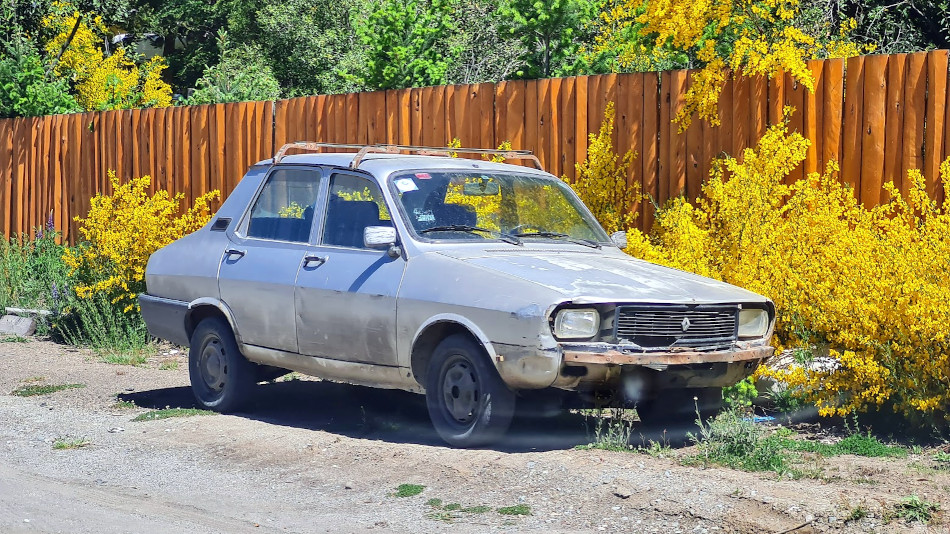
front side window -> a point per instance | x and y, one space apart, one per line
448 204
354 204
284 209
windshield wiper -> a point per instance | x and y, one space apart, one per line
508 238
559 235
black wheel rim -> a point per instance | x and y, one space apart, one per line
212 365
460 390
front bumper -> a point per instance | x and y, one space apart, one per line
602 353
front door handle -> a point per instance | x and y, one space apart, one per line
235 252
312 258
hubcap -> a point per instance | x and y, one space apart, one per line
212 365
460 390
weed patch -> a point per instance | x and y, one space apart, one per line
518 509
612 429
856 444
408 490
67 443
914 509
168 413
168 365
14 339
32 390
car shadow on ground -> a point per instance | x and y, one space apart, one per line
401 417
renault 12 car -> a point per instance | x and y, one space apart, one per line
479 284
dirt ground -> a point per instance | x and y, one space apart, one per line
318 456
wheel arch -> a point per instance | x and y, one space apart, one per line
433 331
205 307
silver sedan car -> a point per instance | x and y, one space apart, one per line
479 284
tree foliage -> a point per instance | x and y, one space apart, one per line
551 33
406 44
26 88
242 75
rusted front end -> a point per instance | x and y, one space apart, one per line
600 367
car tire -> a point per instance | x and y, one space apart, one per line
221 377
468 403
678 406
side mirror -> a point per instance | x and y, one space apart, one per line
619 239
379 236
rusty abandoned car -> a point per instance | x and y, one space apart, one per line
480 284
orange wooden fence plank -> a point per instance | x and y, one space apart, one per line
6 177
795 98
75 176
281 135
663 150
580 122
629 125
38 138
20 165
694 154
542 106
710 143
915 102
851 132
364 117
200 150
216 148
894 121
456 105
57 161
124 139
88 167
776 97
567 106
832 110
873 129
416 122
814 101
552 125
741 110
725 137
649 150
936 114
677 153
482 98
531 117
759 109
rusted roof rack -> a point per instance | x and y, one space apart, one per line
363 150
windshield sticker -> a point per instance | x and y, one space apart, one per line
423 175
404 185
423 215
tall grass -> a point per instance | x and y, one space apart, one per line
33 275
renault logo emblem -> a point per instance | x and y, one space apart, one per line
685 324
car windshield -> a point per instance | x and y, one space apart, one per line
462 204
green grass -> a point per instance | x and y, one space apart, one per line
408 490
914 509
14 339
518 509
63 444
480 509
167 413
32 390
612 429
856 444
942 459
168 365
124 404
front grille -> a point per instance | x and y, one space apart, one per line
667 326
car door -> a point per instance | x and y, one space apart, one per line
346 293
259 268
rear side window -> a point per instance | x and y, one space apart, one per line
284 209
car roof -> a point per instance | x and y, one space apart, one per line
382 165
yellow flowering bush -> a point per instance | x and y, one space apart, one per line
868 287
102 82
602 179
751 37
121 231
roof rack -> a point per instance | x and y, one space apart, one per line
363 150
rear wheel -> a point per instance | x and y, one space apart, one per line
468 402
221 377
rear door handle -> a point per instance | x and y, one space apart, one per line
235 252
312 258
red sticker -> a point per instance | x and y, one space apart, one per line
423 175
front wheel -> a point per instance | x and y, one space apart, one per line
468 402
221 378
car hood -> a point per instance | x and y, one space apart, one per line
602 276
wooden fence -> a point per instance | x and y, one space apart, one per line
877 115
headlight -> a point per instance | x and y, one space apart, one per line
576 324
753 323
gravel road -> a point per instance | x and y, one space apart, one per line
315 456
